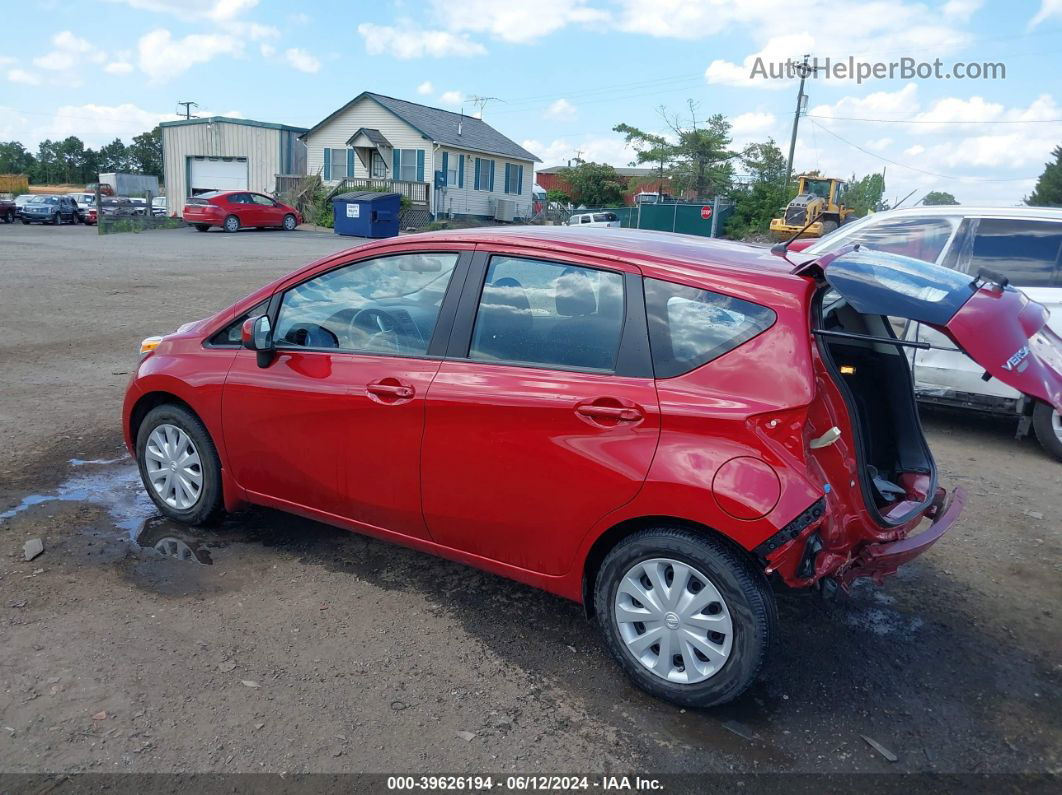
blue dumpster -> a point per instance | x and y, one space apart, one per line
367 214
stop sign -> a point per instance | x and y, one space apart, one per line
706 212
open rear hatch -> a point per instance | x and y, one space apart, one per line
996 325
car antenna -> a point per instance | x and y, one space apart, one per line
781 249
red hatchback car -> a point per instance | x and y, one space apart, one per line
658 426
234 210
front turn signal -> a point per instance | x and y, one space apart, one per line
148 345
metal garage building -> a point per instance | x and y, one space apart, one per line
221 153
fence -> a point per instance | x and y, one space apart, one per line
416 192
686 219
124 221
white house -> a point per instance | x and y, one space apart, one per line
375 138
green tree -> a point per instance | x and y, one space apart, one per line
556 195
938 198
145 153
15 158
865 194
1048 190
113 157
70 154
763 196
648 148
595 184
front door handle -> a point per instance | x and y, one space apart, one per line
383 389
618 413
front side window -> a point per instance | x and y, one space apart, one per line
1027 252
920 238
264 201
689 327
549 314
387 305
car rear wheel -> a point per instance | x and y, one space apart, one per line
1047 423
179 465
201 227
232 224
685 616
289 222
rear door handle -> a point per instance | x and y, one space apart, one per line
391 390
623 414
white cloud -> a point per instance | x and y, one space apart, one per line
516 22
22 76
561 109
162 57
592 148
405 42
961 9
267 50
879 144
752 123
302 60
1048 9
299 18
453 98
778 49
914 151
425 88
217 10
68 52
118 68
6 59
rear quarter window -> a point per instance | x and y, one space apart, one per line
689 327
1028 252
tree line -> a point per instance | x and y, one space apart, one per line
70 162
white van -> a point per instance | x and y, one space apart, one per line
594 219
1021 245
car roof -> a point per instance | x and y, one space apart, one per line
968 211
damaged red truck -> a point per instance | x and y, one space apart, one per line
656 425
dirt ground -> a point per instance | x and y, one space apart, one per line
279 644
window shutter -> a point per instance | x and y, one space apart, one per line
460 171
446 167
328 164
350 163
520 179
508 171
420 165
479 169
396 160
491 187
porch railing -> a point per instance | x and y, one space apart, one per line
416 192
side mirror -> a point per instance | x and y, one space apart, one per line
257 335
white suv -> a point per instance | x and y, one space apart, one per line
1020 244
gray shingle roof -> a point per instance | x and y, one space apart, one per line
441 126
375 136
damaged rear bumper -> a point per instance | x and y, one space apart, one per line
877 561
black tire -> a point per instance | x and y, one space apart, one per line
289 223
25 222
231 224
56 219
9 217
1043 417
746 593
209 506
201 227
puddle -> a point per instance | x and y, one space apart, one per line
112 484
165 538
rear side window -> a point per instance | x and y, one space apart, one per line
1026 252
689 327
921 238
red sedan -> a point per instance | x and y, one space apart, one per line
658 426
234 210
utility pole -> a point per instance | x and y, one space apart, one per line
803 69
188 108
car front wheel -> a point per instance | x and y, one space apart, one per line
289 222
179 465
232 224
1047 423
685 616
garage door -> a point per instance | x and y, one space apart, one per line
217 173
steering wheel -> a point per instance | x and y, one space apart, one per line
377 328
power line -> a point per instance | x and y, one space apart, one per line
913 168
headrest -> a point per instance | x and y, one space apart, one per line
575 293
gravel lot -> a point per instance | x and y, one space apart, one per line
305 648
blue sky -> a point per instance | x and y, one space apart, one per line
563 72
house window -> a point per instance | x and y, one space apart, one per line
379 169
451 171
514 178
339 164
407 165
484 174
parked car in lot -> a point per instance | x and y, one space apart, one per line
49 209
117 207
159 205
658 426
235 210
8 210
83 199
89 215
139 205
594 219
22 199
1022 246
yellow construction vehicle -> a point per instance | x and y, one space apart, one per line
818 198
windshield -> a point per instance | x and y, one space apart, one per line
43 200
818 187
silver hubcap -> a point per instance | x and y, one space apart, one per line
673 620
173 467
232 224
1056 425
289 222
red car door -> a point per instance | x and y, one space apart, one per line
268 212
240 205
544 417
334 423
